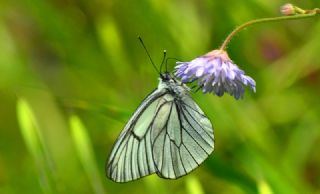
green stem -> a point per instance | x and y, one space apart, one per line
264 20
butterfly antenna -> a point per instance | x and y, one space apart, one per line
163 59
141 41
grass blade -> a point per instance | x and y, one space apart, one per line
85 152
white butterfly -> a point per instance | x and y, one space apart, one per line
168 134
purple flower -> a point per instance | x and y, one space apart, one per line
215 73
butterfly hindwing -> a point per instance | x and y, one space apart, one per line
185 141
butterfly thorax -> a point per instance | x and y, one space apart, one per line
175 87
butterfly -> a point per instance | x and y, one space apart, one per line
168 135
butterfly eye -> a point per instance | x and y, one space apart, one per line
165 77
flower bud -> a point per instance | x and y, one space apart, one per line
287 9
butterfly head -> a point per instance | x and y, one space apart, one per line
176 87
165 77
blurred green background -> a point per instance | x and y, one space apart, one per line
72 72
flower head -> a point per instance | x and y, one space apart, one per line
215 73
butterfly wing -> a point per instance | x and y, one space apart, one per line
166 135
184 141
131 157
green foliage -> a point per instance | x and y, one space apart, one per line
72 73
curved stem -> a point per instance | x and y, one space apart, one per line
264 20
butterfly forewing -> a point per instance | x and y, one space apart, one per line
120 165
168 134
